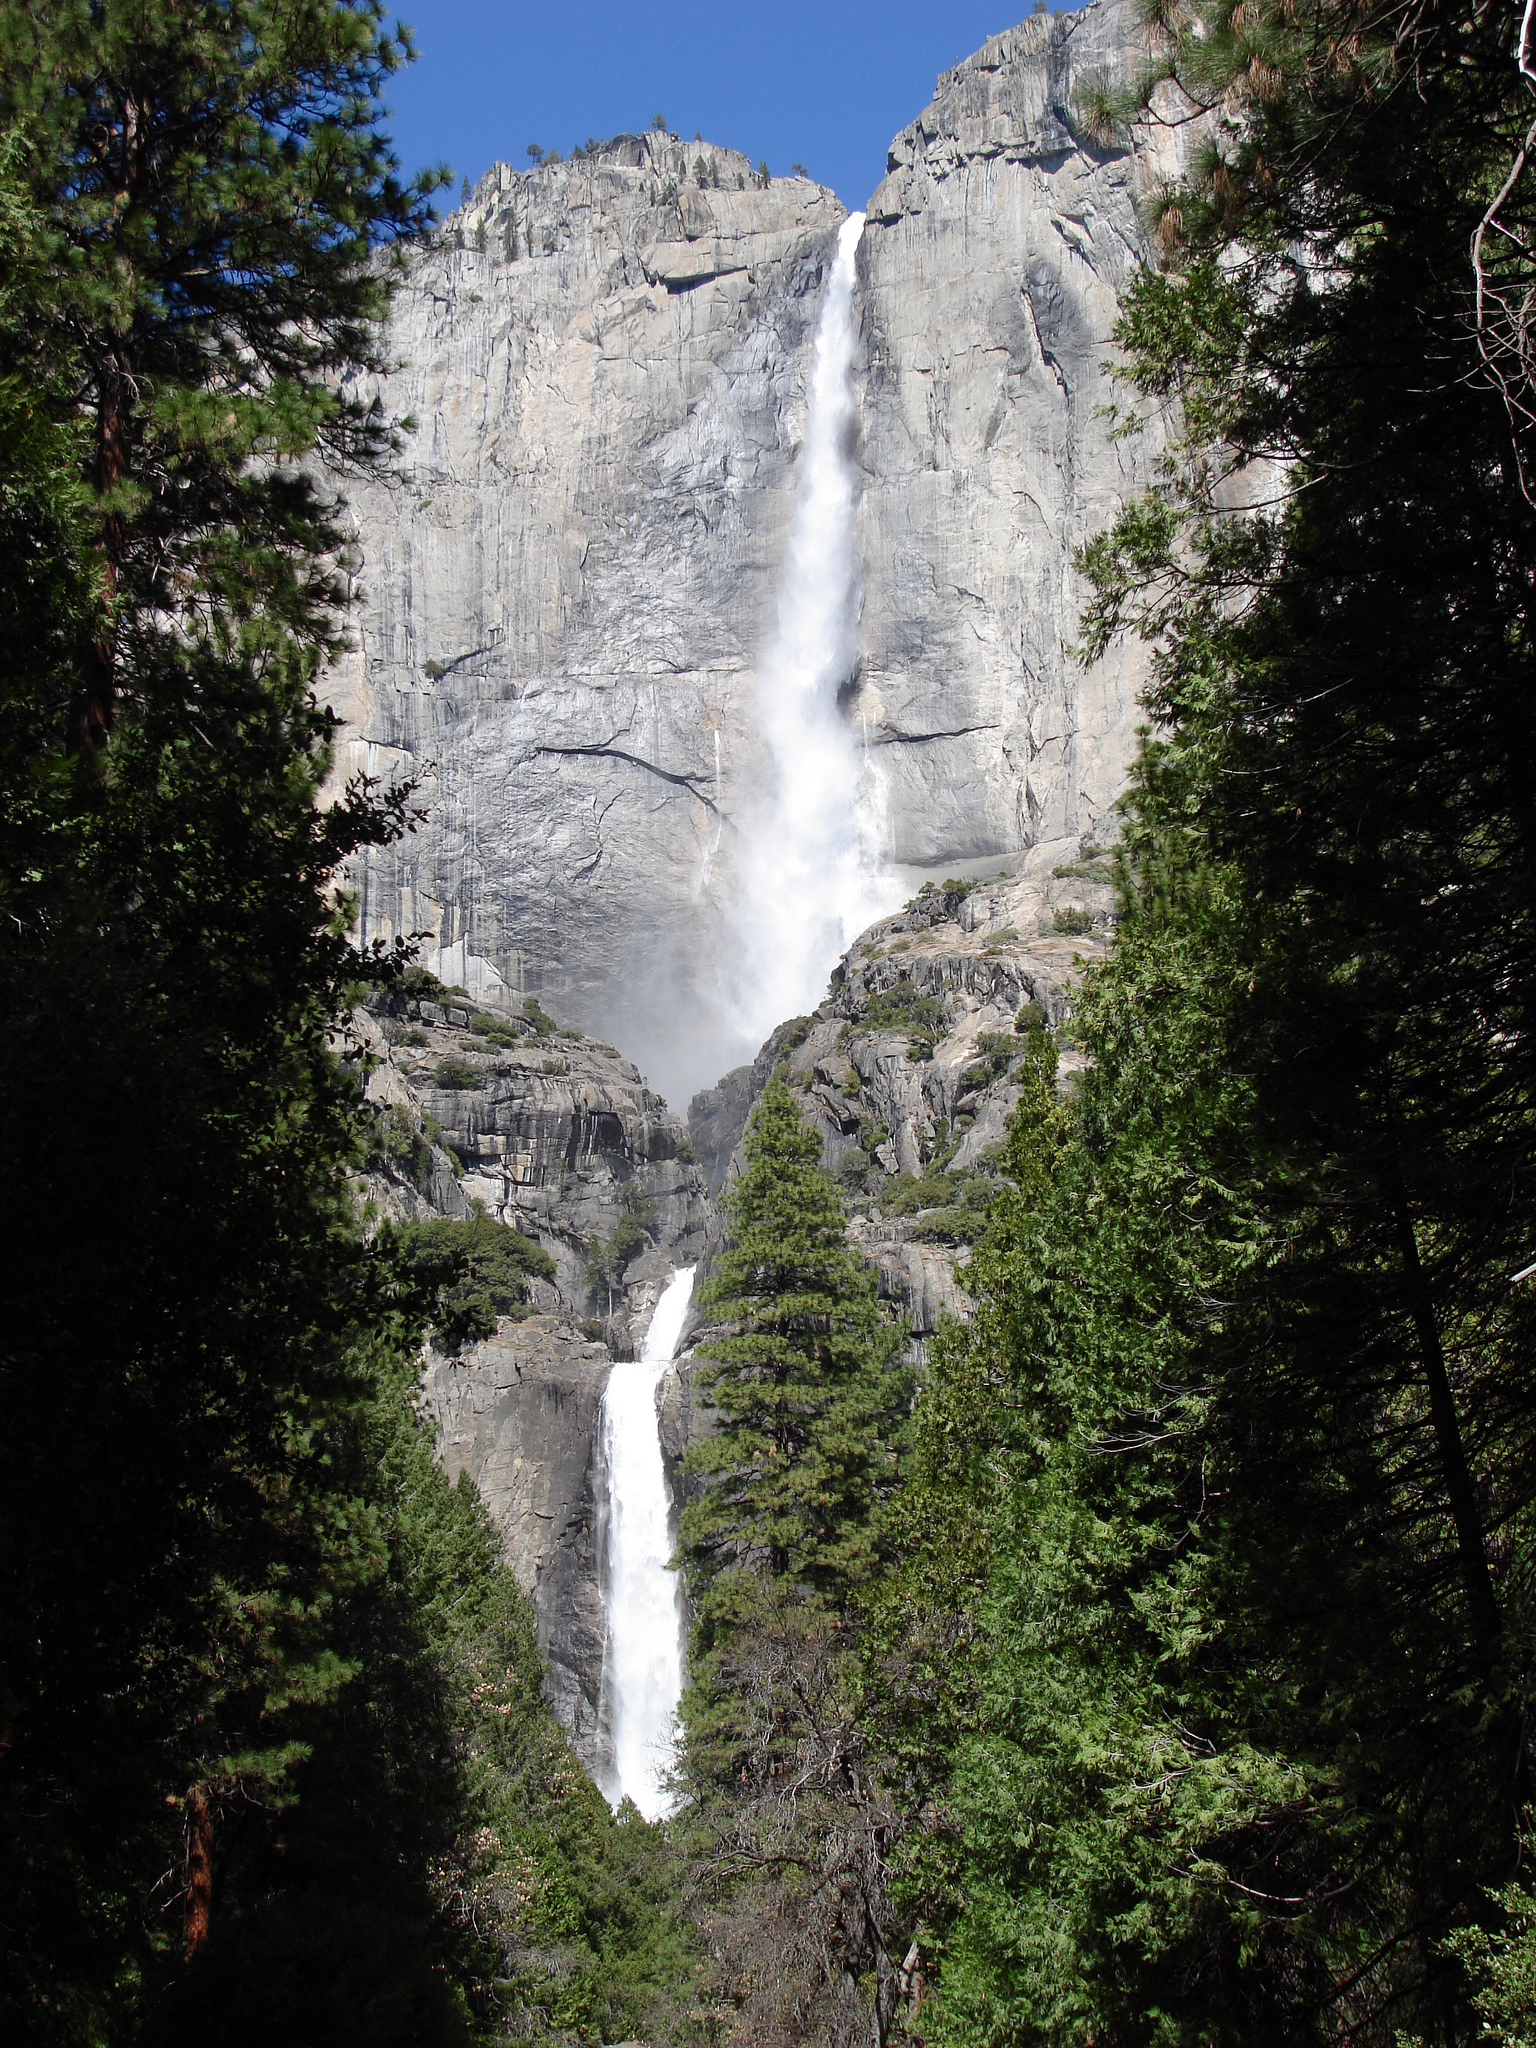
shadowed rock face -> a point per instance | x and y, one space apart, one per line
519 1413
551 1132
565 592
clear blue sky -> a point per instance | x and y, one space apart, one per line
825 83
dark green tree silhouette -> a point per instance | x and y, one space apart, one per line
804 1378
200 197
1252 1437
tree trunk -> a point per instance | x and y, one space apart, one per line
1487 1623
199 1895
91 718
1453 1457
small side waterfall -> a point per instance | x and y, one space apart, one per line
812 870
643 1663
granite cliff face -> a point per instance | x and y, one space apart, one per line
502 1111
563 589
519 1413
566 589
991 267
541 1127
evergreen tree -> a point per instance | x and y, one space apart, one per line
804 1380
1255 1448
790 1827
193 1320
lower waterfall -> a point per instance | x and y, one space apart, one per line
643 1659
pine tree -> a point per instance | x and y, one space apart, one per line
804 1380
1257 1467
193 1318
790 1825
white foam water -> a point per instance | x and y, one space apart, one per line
643 1660
812 870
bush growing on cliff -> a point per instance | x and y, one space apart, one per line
903 1008
468 1273
608 1258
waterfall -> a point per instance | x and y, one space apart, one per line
643 1663
811 873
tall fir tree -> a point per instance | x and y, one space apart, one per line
1258 1466
200 196
790 1826
804 1380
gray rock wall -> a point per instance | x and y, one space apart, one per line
544 1129
519 1413
990 272
566 588
563 590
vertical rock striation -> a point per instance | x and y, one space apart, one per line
563 589
991 267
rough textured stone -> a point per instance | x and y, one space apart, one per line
566 589
563 592
559 1136
978 954
519 1413
990 271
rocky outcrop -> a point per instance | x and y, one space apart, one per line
488 1109
519 1413
566 588
544 1128
909 1070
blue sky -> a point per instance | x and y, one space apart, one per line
825 83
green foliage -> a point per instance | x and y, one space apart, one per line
902 1008
787 1822
1074 922
455 1076
961 1215
997 1051
400 1143
192 202
1242 1415
447 1872
1499 1958
415 981
499 1030
544 1025
609 1257
805 1381
467 1273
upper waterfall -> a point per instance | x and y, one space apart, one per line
812 867
578 597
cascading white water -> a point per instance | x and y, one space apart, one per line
643 1663
811 870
